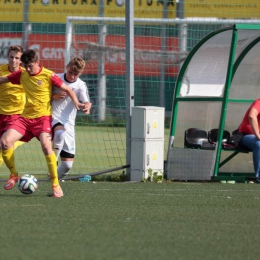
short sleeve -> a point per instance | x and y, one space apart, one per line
256 105
14 77
56 81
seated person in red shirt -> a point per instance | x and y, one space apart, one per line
250 127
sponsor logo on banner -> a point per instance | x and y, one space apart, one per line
147 57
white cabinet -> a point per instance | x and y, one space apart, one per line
147 154
147 122
147 141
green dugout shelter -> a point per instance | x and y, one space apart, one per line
218 81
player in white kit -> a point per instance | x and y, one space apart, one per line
64 114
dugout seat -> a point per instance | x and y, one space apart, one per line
197 139
213 136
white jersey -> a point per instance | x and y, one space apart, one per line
64 110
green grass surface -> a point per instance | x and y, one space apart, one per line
106 220
97 149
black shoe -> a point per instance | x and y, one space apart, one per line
257 180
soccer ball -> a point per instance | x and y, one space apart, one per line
27 184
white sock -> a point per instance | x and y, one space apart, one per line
58 142
64 168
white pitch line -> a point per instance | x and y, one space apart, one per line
28 205
174 190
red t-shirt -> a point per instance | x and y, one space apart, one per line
245 126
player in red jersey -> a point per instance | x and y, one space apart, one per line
35 121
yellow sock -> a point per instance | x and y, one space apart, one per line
1 158
17 144
52 167
8 157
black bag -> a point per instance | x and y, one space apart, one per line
235 138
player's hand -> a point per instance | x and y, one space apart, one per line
62 94
87 108
79 105
59 95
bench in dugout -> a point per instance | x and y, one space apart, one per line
196 138
199 139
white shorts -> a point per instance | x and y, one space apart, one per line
69 140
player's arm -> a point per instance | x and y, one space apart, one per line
59 95
72 95
14 78
252 116
4 80
56 81
84 97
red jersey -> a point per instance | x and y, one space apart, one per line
245 126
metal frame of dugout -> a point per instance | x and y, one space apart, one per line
216 84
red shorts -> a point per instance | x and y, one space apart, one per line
30 128
6 121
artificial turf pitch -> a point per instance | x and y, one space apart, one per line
105 220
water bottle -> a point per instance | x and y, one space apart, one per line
86 178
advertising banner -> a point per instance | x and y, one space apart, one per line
56 11
148 55
7 39
222 9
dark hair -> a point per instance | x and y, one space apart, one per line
15 48
29 56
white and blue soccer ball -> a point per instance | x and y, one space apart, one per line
27 184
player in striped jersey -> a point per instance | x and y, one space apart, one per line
12 98
35 121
